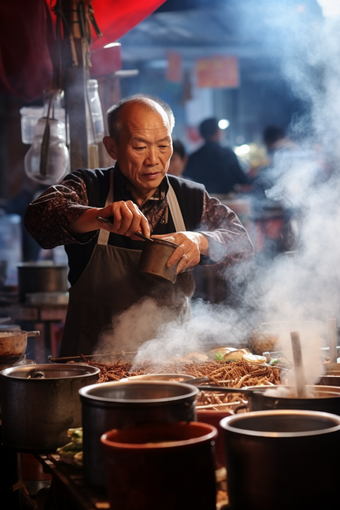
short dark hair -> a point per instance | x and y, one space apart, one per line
114 113
179 148
272 134
208 127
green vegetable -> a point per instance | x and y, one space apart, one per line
219 356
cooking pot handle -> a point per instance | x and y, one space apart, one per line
32 333
240 407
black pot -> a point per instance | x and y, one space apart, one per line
41 277
116 405
282 460
326 399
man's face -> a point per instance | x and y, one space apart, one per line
144 149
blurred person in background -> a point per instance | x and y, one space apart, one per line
274 139
215 166
178 159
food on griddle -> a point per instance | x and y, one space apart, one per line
191 356
221 373
233 354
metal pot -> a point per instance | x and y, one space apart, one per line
325 398
116 405
282 459
41 277
13 344
152 263
332 375
40 403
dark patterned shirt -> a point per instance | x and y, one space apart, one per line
48 216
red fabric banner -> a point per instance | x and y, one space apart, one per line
217 72
27 39
174 68
117 17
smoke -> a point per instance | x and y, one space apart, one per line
297 293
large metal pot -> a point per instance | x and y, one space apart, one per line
282 459
13 344
39 404
41 277
325 398
116 405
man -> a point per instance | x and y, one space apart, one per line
178 159
138 195
214 166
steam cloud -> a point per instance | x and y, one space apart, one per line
303 291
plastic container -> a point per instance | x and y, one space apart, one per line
164 466
29 119
95 129
58 161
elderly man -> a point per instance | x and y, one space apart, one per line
138 195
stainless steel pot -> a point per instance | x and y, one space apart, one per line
41 277
39 403
282 459
116 405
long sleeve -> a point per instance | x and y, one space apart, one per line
228 239
47 217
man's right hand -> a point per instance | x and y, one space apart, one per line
127 219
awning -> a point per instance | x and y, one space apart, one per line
27 39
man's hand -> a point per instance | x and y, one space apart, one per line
125 216
191 246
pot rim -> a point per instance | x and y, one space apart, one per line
330 392
211 433
164 242
85 393
13 372
227 423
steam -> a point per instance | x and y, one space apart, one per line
296 293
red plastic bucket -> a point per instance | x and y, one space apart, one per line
161 466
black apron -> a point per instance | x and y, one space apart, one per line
111 284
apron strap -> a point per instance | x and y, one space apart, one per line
175 211
104 235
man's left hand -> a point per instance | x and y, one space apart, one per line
191 245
